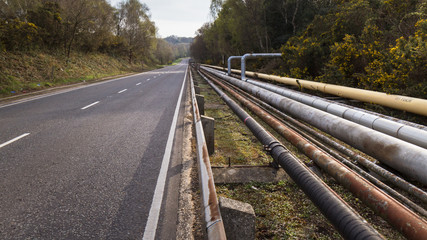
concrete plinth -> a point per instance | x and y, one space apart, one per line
238 218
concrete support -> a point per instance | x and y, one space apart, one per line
208 129
238 218
201 103
197 89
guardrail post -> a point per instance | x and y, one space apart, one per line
197 89
208 124
201 103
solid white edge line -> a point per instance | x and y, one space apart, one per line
90 105
14 140
153 216
124 90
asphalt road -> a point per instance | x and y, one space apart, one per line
87 161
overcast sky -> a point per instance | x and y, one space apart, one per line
177 17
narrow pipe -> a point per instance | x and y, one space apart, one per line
348 223
402 156
213 222
229 63
255 55
411 225
393 178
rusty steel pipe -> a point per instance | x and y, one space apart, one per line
411 225
400 155
419 193
393 178
213 222
349 224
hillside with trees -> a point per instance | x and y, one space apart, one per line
46 42
372 44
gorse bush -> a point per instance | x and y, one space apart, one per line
373 44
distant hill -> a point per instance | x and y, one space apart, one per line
178 40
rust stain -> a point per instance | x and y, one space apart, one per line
212 201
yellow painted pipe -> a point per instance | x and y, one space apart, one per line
409 104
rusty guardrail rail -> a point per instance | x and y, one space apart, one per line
212 216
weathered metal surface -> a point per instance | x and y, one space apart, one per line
213 221
411 225
393 178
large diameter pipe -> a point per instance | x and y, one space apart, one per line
229 63
410 104
213 222
393 178
402 156
404 103
410 224
348 223
255 55
407 133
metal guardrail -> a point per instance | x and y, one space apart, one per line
212 216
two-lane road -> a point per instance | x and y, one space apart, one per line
84 164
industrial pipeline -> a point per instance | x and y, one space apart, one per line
410 224
348 223
389 176
402 156
402 131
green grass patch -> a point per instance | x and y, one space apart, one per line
24 72
282 211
